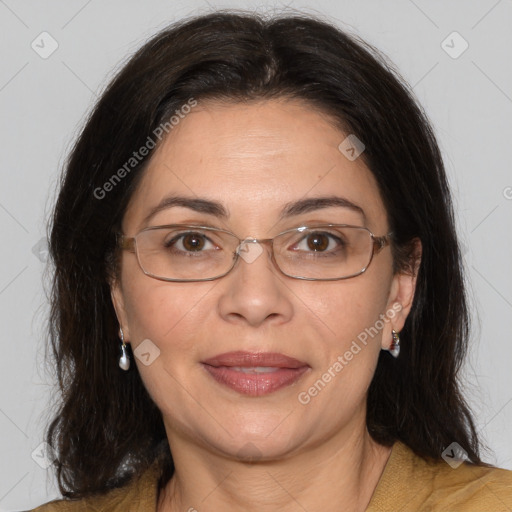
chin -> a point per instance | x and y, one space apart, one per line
266 437
256 449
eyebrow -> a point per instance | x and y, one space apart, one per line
217 209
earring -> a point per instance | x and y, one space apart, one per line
394 348
124 359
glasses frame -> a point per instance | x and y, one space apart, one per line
130 244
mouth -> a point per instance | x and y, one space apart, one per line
255 373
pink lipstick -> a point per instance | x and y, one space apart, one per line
255 373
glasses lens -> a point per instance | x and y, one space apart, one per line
185 252
324 252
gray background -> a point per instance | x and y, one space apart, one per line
44 102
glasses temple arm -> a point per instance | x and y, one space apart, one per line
125 243
382 241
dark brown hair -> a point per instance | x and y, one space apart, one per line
107 428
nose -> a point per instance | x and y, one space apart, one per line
254 292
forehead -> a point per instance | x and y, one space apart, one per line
255 158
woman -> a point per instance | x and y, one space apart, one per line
258 300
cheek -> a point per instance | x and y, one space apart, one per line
348 348
155 309
164 312
351 319
345 308
172 317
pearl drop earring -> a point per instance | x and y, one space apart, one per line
394 349
124 359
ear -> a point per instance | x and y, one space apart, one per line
401 296
116 293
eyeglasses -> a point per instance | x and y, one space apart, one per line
182 252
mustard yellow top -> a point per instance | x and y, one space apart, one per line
407 484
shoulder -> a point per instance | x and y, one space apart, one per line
62 506
140 495
470 487
415 484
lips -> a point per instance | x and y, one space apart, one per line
255 373
253 359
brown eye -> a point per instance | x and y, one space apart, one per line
192 242
318 242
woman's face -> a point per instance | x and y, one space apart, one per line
256 159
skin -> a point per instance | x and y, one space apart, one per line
255 158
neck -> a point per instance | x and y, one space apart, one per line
339 474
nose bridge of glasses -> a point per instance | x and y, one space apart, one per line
249 249
250 240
